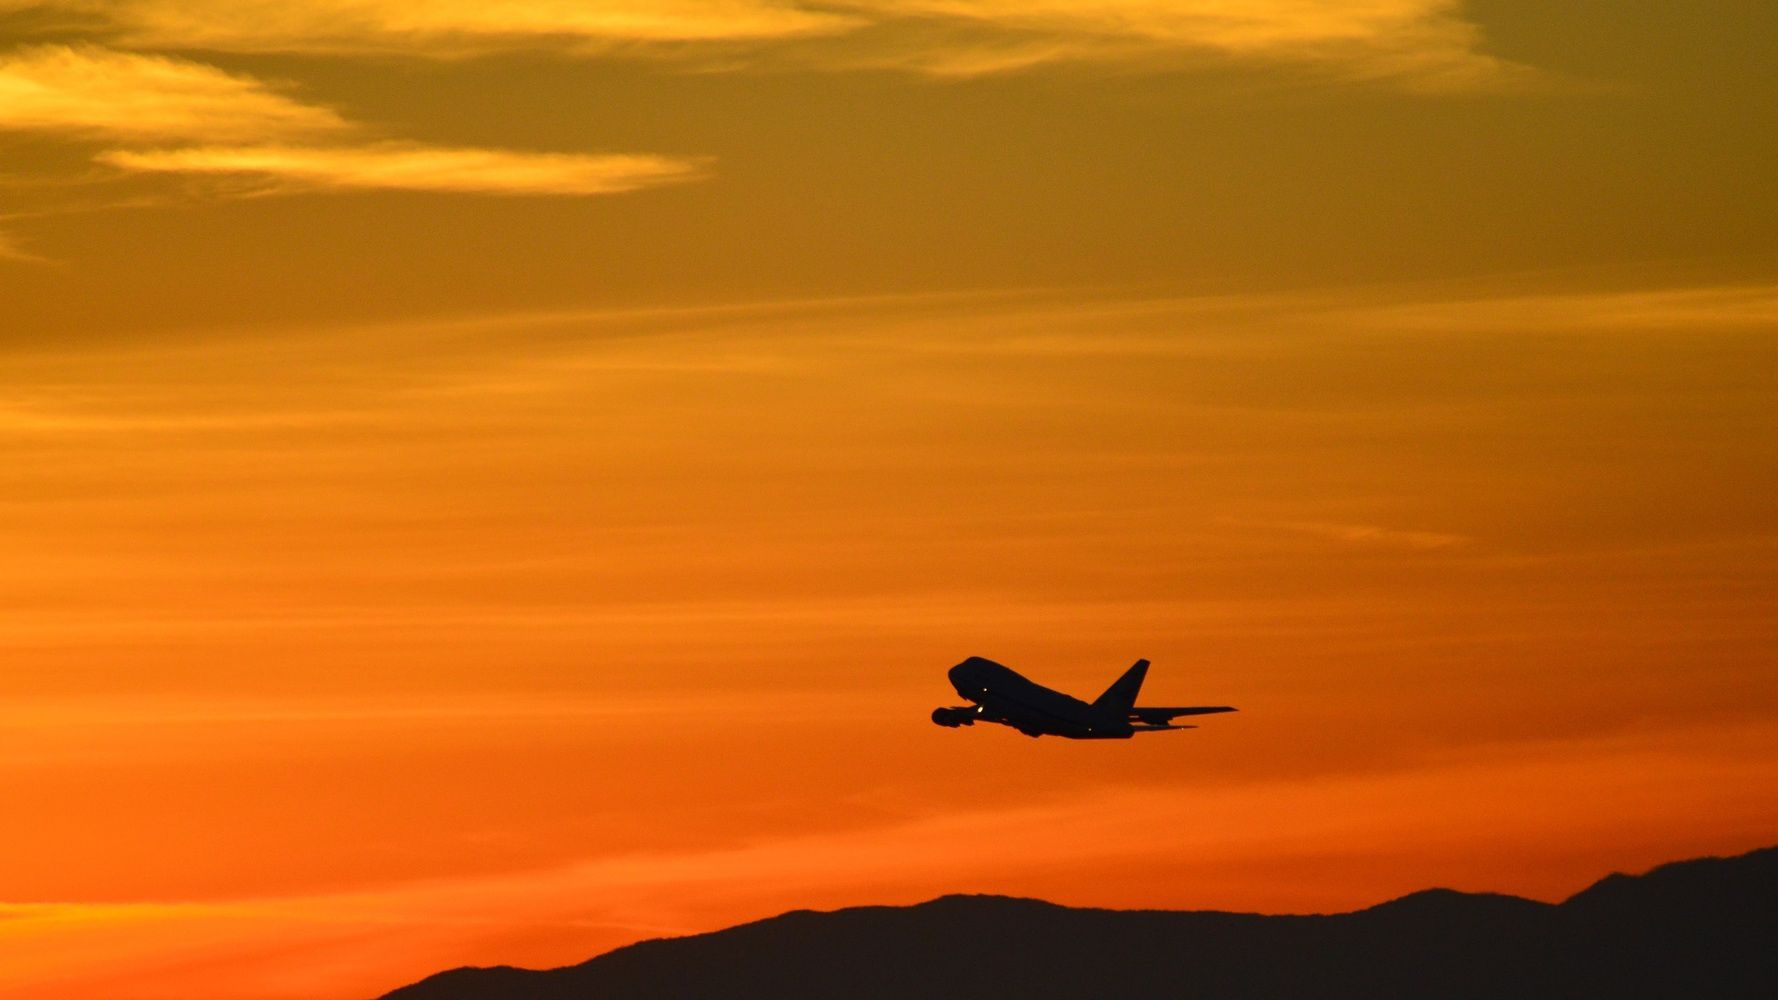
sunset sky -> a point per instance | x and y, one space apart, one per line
486 482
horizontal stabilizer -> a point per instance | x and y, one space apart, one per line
1162 716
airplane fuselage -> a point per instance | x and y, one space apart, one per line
1004 696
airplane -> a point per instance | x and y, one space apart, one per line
1001 696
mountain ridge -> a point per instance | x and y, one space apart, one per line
1700 927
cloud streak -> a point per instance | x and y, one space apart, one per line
415 168
238 129
445 27
10 250
86 91
1365 535
1422 43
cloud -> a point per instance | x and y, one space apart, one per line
1425 43
132 97
1718 307
1257 25
416 168
229 126
441 27
1374 535
10 250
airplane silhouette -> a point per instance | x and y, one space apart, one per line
1001 696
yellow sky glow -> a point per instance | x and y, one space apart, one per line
417 169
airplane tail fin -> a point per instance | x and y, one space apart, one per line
1120 697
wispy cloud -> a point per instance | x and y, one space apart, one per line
133 97
224 125
1371 535
10 250
1717 307
443 27
1422 43
1426 43
416 168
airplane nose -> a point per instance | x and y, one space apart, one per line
965 677
976 666
971 666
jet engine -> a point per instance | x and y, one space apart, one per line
954 717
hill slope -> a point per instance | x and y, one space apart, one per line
1705 928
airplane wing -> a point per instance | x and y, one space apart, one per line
1163 716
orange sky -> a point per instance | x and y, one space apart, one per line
488 484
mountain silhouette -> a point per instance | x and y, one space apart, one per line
1703 928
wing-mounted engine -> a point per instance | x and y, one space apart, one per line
951 718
